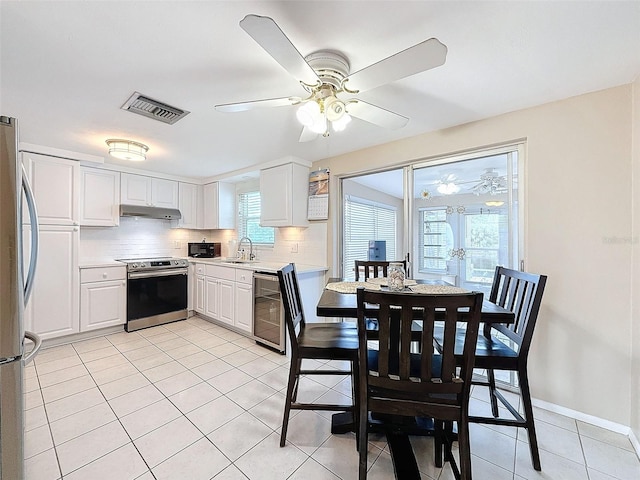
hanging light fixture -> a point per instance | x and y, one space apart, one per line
448 188
127 150
322 109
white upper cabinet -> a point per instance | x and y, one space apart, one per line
99 197
190 204
283 195
148 191
219 206
164 193
55 183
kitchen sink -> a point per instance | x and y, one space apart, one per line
237 260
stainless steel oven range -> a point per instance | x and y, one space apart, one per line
156 291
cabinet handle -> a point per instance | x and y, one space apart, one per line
104 275
124 282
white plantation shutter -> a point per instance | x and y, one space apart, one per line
249 220
363 221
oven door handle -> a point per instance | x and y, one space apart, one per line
160 273
269 277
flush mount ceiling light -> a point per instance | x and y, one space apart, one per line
494 203
127 150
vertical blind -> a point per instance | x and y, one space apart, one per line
364 221
249 219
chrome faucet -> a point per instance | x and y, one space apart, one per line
251 255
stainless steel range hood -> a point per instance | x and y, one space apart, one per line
150 212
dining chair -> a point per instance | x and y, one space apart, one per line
398 381
316 341
375 269
506 347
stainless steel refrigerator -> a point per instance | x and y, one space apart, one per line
16 281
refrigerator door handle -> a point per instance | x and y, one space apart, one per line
33 217
38 343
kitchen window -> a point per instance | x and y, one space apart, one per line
249 220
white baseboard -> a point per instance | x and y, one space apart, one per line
583 417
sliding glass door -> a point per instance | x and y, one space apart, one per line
465 218
454 218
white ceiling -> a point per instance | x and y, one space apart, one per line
67 67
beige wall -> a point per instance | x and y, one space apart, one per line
635 314
577 224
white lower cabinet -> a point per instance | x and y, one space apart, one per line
243 308
211 298
103 297
53 310
225 294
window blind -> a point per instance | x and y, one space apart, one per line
364 221
249 220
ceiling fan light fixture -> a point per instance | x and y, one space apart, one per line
319 125
334 108
340 124
448 188
308 114
127 149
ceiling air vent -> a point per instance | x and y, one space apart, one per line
151 108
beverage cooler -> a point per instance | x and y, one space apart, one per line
268 311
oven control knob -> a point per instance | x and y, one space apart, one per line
142 265
135 265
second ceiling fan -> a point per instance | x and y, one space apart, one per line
326 77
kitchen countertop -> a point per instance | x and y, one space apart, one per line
259 266
99 262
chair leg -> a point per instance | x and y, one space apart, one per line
355 392
491 377
438 440
298 364
528 415
361 441
292 388
464 449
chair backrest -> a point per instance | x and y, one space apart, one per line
521 293
375 269
418 376
292 302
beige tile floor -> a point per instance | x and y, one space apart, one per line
191 400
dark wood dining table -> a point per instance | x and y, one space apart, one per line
344 305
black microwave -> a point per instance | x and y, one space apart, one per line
205 250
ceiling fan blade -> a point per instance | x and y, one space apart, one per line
376 115
307 135
272 102
423 56
273 40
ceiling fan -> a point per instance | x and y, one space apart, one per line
490 183
325 76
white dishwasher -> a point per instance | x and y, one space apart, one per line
268 311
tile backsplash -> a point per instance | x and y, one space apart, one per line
144 237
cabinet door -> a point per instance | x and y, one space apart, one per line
210 206
164 193
135 189
199 304
275 196
188 205
244 307
102 304
56 185
99 197
212 298
227 306
53 309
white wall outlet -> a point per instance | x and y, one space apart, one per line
176 244
294 248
